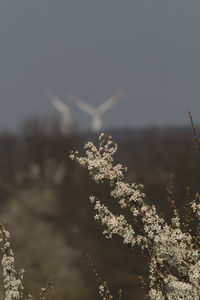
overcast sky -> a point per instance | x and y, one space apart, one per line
92 48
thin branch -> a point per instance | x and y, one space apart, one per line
48 291
196 139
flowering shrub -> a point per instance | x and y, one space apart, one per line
173 251
12 280
172 247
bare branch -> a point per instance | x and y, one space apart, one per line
196 139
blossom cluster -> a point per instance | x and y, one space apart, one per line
174 265
12 279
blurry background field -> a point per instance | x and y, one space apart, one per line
91 50
44 198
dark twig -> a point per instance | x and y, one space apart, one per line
48 291
196 139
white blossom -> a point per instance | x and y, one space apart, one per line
12 280
169 247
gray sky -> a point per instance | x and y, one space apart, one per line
92 48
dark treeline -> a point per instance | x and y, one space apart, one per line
44 198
